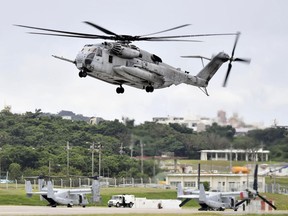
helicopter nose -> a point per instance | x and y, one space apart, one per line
79 61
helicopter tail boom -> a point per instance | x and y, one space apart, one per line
212 67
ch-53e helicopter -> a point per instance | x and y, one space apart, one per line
121 63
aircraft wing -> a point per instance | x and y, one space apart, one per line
72 191
37 193
188 196
230 193
182 195
80 191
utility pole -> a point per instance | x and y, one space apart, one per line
0 162
92 147
231 158
141 146
131 145
100 149
67 147
49 168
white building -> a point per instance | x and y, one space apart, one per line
235 154
219 182
199 124
196 123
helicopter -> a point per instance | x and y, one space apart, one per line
117 61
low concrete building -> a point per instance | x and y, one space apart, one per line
219 182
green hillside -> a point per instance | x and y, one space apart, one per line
36 143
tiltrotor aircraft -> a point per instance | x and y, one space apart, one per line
121 63
67 196
219 201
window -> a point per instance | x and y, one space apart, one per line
172 183
190 184
110 60
99 52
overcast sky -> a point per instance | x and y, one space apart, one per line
31 78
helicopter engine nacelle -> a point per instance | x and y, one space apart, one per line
124 52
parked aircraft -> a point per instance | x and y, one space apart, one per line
69 197
212 201
219 201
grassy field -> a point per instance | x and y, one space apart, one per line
13 196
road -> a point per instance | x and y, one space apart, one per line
43 210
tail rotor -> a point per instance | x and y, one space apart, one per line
255 188
232 59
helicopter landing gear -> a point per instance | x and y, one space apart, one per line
82 74
120 90
149 88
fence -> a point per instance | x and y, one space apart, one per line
115 182
82 182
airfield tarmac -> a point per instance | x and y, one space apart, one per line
61 210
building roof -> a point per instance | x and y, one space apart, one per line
235 151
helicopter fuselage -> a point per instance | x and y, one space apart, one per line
120 64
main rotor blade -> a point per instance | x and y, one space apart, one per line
171 40
196 56
184 36
75 36
235 44
57 31
198 177
177 27
255 182
244 60
267 201
184 202
239 203
101 28
227 74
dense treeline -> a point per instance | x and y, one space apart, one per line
33 144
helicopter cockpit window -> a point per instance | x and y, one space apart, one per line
99 52
89 58
156 58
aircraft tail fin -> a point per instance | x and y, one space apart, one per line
202 195
28 188
41 183
212 67
50 191
95 191
179 189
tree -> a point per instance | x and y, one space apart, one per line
181 128
269 135
223 131
245 142
206 186
14 171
